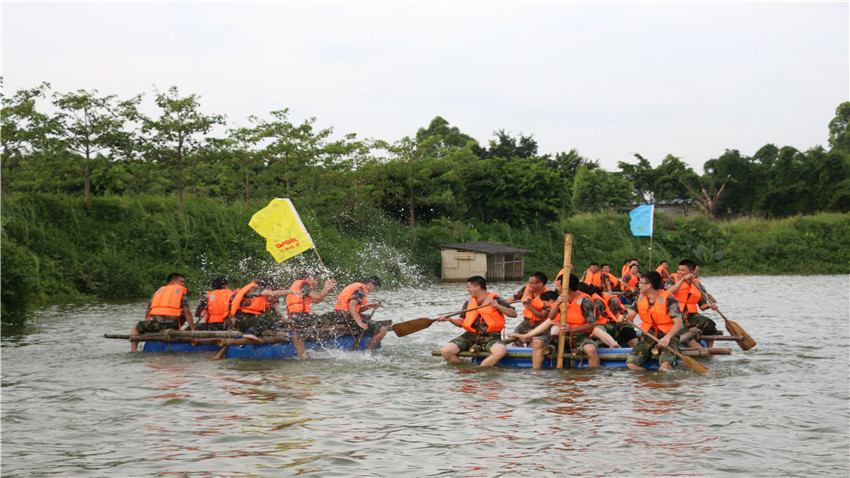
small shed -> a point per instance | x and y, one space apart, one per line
492 261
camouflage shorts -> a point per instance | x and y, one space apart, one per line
153 325
703 323
526 326
210 326
346 325
643 351
303 320
485 340
260 324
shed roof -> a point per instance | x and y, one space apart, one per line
485 247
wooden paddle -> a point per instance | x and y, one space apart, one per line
406 328
733 328
565 283
691 363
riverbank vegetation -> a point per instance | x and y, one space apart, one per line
101 200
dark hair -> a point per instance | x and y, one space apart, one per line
540 276
549 295
605 264
374 280
308 273
586 288
173 276
479 281
267 283
219 282
654 279
594 263
573 282
691 265
662 262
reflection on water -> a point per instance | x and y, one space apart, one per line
87 407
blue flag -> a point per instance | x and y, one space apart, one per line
642 220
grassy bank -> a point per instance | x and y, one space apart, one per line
56 250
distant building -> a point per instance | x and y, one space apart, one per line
492 261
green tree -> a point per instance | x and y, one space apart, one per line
672 178
597 190
839 128
290 149
738 177
32 149
173 138
92 124
642 176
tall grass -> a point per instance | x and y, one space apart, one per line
54 249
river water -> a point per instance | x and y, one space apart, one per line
76 404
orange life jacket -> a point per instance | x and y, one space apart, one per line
656 315
346 294
607 297
688 296
536 302
254 306
494 319
631 283
575 317
625 270
218 305
593 278
612 279
606 315
295 303
664 274
166 301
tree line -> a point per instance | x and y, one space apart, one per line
86 143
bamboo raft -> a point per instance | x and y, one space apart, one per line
609 357
280 345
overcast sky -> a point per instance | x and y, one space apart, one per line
609 79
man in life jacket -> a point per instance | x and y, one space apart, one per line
662 269
610 282
592 275
253 308
350 303
692 298
536 309
482 327
298 307
581 320
660 316
168 309
214 306
629 281
606 326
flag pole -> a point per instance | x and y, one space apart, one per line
650 252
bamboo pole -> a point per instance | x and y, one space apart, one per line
565 283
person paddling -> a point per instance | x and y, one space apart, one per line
214 305
660 317
536 309
483 327
168 309
253 308
350 303
581 320
298 306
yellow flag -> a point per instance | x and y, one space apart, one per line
285 234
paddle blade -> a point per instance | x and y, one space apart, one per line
694 365
411 326
734 329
